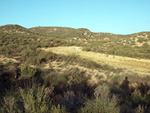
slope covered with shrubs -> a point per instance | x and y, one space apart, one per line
26 86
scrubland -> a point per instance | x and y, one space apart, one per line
66 70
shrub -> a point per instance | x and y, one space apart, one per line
54 78
137 97
27 72
140 109
102 103
102 91
36 100
10 102
58 109
37 57
9 105
74 75
70 58
140 99
91 64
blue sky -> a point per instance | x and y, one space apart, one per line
113 16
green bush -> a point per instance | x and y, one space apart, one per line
140 99
54 78
36 100
27 71
9 105
91 64
74 75
137 97
58 109
102 103
37 57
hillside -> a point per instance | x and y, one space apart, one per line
62 32
14 29
133 45
67 70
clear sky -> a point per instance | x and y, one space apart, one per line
113 16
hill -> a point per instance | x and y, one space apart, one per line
67 70
133 45
13 29
61 32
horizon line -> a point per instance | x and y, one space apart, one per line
78 28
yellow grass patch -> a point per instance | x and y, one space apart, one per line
141 66
6 59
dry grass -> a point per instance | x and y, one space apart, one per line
141 66
94 76
6 59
